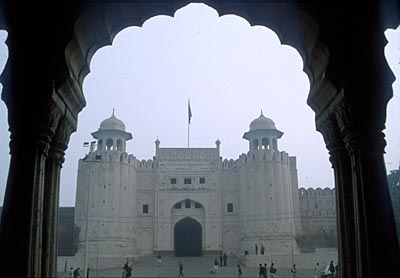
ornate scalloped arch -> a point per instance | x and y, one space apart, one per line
97 28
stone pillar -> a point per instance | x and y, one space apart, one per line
114 146
376 243
275 144
51 195
23 211
344 195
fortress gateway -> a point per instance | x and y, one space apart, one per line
187 201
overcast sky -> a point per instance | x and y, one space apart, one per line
229 70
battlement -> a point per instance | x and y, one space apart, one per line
317 202
119 157
229 164
191 154
187 153
316 192
145 164
263 155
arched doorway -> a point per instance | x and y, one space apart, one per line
188 238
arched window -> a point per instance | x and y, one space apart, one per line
265 143
255 144
119 145
109 144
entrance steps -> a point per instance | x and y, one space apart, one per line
193 267
148 266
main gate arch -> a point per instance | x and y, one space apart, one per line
188 238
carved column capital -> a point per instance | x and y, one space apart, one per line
357 132
66 127
330 131
52 116
333 138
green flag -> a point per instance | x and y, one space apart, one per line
189 112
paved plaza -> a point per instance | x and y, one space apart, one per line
199 267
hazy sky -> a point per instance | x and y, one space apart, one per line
229 70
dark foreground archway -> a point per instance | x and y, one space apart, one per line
188 238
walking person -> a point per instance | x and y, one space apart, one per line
332 269
225 258
256 247
294 270
240 273
266 270
71 272
215 267
126 270
262 249
261 271
317 271
273 271
180 269
159 259
76 273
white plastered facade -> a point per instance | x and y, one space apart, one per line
134 205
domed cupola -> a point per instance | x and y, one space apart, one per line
262 122
263 134
112 123
111 135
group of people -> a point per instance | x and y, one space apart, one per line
262 249
74 273
223 258
333 270
263 270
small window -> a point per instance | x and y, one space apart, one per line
187 181
187 204
145 208
197 205
202 180
178 205
98 157
230 207
173 180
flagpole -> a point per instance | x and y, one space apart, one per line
189 118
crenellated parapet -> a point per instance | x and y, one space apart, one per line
317 202
229 164
145 164
263 155
318 217
119 157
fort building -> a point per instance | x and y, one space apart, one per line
187 201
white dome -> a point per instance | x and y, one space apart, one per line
262 122
112 123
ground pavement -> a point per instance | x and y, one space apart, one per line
194 267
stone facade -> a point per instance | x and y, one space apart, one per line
318 218
135 205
